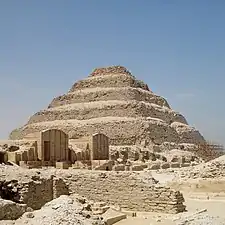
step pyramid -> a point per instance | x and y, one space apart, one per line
114 102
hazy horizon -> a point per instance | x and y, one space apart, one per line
176 47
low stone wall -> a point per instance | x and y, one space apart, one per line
107 94
29 154
126 190
166 165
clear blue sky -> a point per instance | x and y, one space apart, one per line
177 47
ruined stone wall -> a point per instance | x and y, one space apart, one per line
34 193
84 143
80 148
126 190
94 147
107 94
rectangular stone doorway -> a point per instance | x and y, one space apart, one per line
2 157
46 150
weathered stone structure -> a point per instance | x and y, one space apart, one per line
51 148
94 147
52 145
126 190
121 110
34 191
46 148
113 102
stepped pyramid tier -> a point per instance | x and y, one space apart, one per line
112 101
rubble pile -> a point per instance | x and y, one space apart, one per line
211 169
65 210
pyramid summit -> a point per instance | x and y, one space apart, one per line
112 101
110 70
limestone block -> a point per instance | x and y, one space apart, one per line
175 165
13 157
34 164
77 165
47 163
62 165
112 216
81 164
102 165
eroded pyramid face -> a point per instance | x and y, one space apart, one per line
112 101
